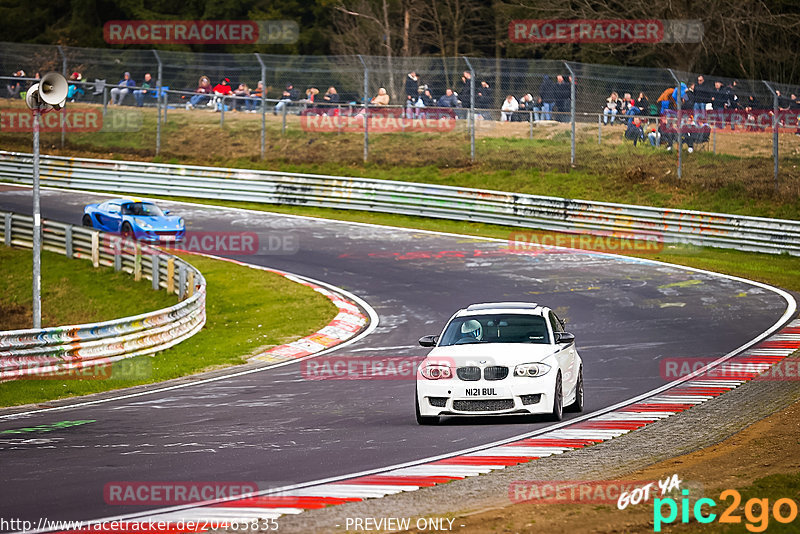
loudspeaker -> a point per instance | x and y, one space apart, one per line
51 91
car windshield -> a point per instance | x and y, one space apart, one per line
496 328
142 209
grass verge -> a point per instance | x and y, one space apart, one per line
247 310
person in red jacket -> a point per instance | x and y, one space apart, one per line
222 89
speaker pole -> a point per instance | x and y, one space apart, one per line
37 227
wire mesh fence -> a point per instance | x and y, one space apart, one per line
361 99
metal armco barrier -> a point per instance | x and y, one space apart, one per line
58 350
512 209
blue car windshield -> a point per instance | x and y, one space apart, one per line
496 328
142 209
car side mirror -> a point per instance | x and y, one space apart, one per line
565 337
166 212
428 341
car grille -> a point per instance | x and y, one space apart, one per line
531 399
495 372
438 402
483 405
166 232
469 373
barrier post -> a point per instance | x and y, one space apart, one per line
68 241
181 281
96 249
137 262
155 273
775 122
190 284
171 275
7 229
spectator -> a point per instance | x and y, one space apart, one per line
719 96
331 99
635 132
563 97
382 98
242 94
643 103
654 136
688 100
665 101
633 111
484 97
202 93
510 105
122 89
612 107
547 90
537 108
138 94
702 95
14 86
256 96
448 100
668 134
698 132
222 89
289 94
412 89
526 104
75 91
466 89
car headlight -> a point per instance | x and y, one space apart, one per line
144 224
531 369
180 222
436 371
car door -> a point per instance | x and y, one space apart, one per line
112 217
566 356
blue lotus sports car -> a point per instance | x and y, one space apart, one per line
135 219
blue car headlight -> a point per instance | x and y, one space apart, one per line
143 224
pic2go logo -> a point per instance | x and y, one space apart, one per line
756 511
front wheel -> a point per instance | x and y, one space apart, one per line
127 232
424 419
577 405
87 220
558 401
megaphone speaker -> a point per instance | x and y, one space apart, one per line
32 97
53 89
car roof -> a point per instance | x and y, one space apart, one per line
530 308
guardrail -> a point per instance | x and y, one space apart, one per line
756 234
53 351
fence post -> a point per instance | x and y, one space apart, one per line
158 103
182 281
137 262
283 114
263 107
571 112
471 110
117 253
63 111
775 122
96 249
599 129
190 284
171 275
366 108
155 272
68 241
680 124
7 229
222 111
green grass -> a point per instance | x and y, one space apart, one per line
73 292
247 310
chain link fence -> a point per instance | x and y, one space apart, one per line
467 106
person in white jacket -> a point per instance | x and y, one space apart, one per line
510 105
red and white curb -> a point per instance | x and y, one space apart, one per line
348 323
696 389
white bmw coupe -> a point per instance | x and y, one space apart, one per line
500 358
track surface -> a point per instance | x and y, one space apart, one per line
275 428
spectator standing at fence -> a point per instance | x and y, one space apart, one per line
510 105
75 90
665 100
381 99
122 89
537 108
719 96
202 93
242 94
483 99
526 104
702 94
14 86
611 108
448 99
138 94
412 89
563 97
330 100
547 90
289 94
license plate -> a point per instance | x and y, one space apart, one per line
167 238
480 392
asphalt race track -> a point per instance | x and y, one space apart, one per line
276 428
